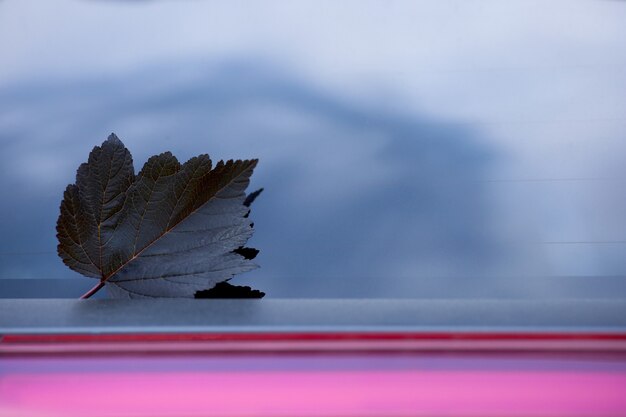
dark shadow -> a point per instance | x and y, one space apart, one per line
226 290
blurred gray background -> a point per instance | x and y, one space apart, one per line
469 148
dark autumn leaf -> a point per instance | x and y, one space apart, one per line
169 231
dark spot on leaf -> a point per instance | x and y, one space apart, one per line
226 290
248 253
251 197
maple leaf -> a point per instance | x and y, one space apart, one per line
169 231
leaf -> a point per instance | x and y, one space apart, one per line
169 231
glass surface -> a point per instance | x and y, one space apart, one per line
407 149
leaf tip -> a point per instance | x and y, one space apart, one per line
113 142
113 138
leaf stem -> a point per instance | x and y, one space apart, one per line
92 291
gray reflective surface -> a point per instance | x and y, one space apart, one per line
308 315
476 144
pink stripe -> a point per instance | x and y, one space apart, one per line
338 393
71 344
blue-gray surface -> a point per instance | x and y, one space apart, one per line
571 288
113 316
478 156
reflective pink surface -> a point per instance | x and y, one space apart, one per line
429 384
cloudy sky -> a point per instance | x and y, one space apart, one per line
402 143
